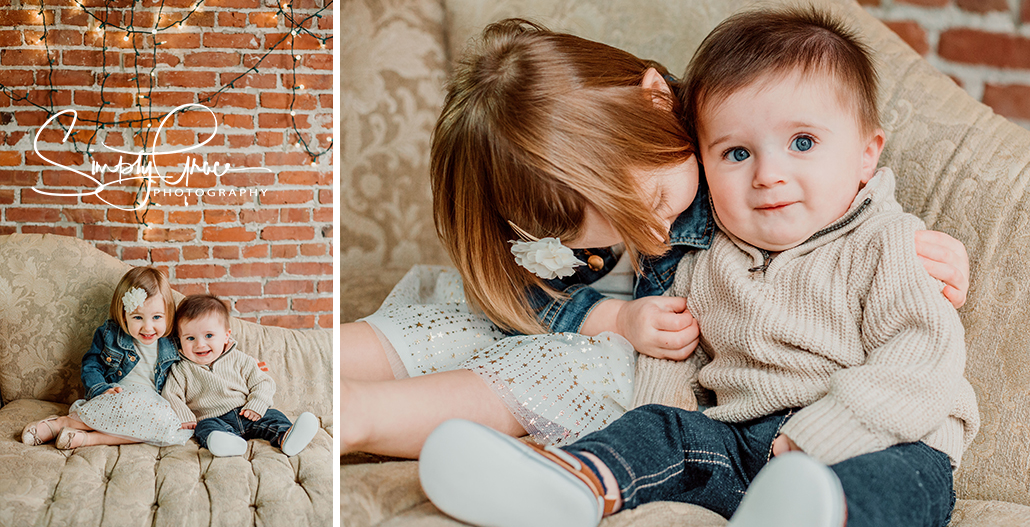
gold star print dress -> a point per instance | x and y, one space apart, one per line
559 386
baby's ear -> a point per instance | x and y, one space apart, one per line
661 94
871 154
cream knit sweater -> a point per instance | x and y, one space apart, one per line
233 380
847 326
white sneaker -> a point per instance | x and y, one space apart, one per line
793 490
300 434
483 477
224 444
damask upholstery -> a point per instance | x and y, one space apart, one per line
961 168
54 292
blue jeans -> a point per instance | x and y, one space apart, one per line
272 426
660 453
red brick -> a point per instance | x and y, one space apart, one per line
104 232
266 81
325 286
192 289
180 40
195 252
157 234
257 305
212 59
256 269
296 215
189 79
83 215
318 61
235 4
227 234
1024 11
284 252
165 254
249 179
226 252
189 217
294 233
235 289
309 82
232 19
1012 101
219 216
309 268
325 321
255 252
18 78
10 158
187 271
10 39
287 158
289 321
288 287
982 6
231 100
306 178
273 138
150 215
231 40
312 249
135 253
286 197
31 197
24 17
264 19
38 215
973 46
925 3
316 304
323 214
50 229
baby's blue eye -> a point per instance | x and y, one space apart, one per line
738 154
209 335
801 144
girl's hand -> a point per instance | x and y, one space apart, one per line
659 326
250 414
783 444
189 426
945 259
116 389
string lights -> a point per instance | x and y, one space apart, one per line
111 23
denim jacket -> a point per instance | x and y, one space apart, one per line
112 356
693 229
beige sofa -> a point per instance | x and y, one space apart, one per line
962 169
54 292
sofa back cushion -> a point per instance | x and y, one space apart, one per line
54 293
960 168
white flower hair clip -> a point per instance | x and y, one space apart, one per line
544 257
133 298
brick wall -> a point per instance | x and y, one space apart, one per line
259 238
984 45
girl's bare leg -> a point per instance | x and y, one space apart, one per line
383 415
394 418
90 437
361 354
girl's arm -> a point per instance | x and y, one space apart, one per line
945 259
93 367
657 326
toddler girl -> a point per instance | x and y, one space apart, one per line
123 373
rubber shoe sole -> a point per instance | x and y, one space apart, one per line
483 477
300 434
793 490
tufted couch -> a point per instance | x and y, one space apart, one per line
961 168
54 292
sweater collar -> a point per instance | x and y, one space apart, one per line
870 198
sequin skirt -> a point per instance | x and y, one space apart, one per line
559 386
137 412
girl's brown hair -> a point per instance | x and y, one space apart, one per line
151 280
536 126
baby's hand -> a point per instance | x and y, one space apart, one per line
783 444
189 426
659 326
250 414
945 259
116 389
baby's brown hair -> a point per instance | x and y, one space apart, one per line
196 306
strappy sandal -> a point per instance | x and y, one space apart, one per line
68 436
30 434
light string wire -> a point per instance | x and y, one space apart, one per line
293 26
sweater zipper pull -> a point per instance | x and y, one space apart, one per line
766 259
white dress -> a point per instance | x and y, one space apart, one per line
138 411
559 386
